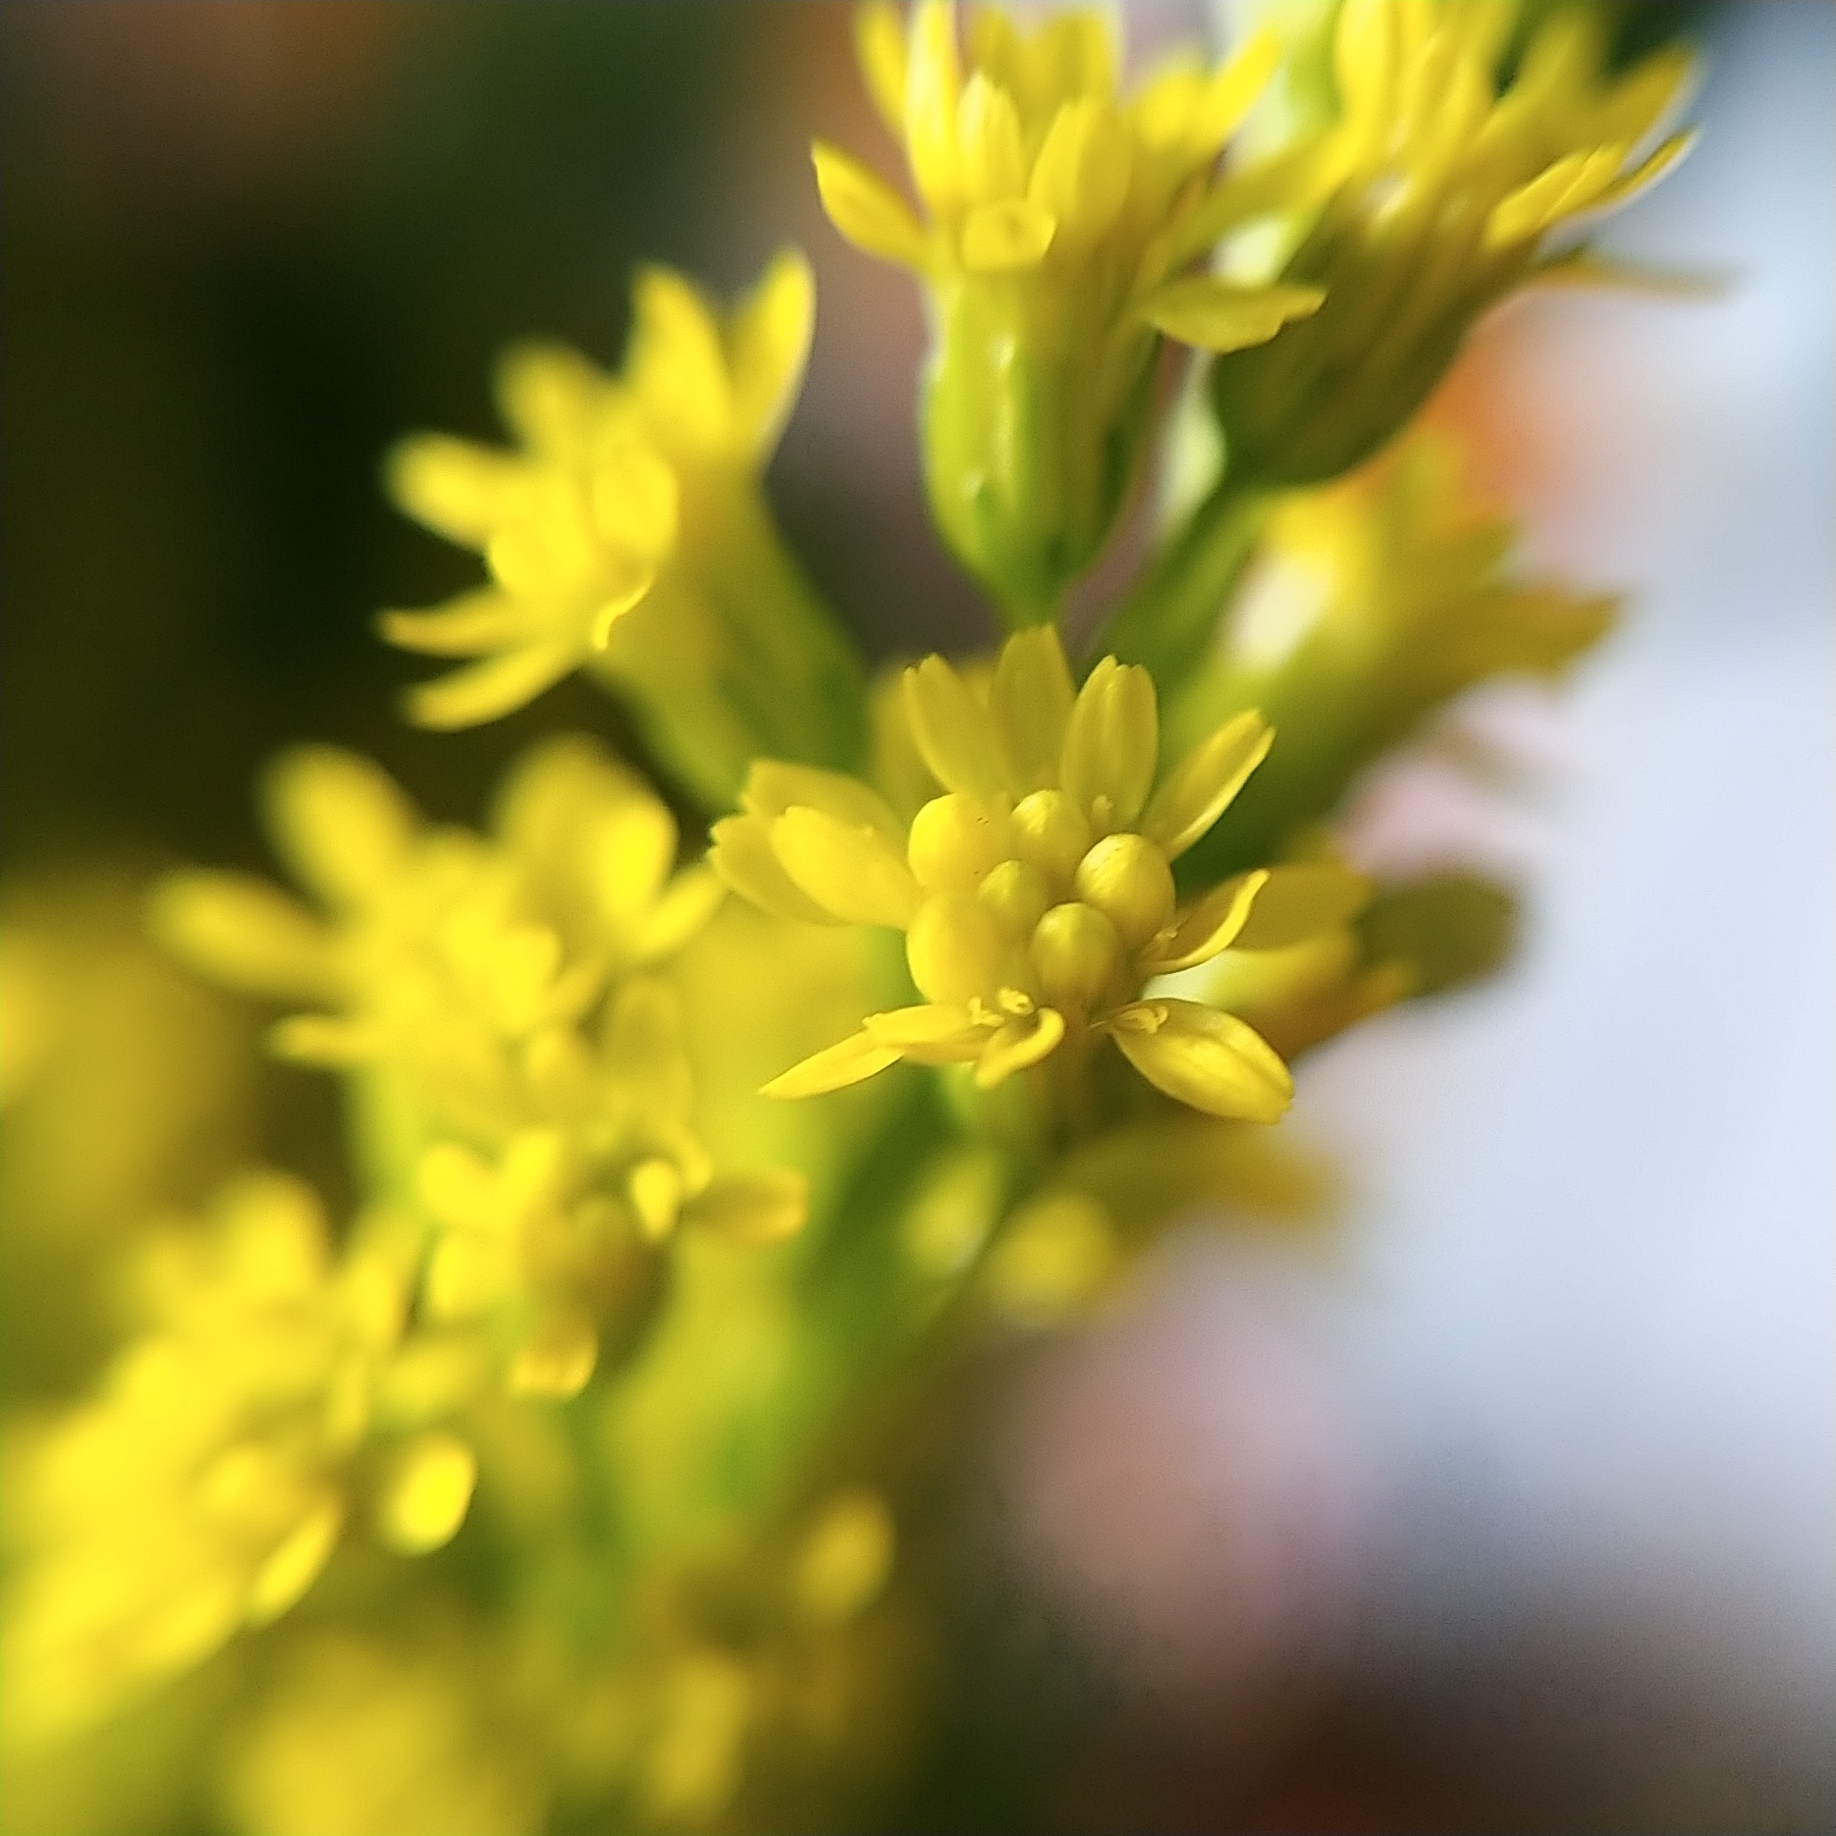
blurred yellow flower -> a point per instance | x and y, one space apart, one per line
1447 189
627 531
207 1483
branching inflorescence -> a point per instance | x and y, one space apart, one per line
634 1344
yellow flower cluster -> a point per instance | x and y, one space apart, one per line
1447 189
206 1485
1371 603
627 532
552 1152
1062 226
1036 893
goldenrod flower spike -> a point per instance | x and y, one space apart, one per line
1446 191
1061 225
1036 892
626 533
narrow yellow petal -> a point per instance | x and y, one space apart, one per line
1218 315
1301 902
1210 1060
879 47
952 729
741 853
1210 926
1030 701
938 1033
293 1567
933 93
317 1039
1205 781
763 1207
988 131
675 362
491 689
866 209
853 872
469 626
1005 237
691 899
768 344
341 823
833 1068
1112 745
549 396
772 787
1080 177
457 489
1231 93
245 933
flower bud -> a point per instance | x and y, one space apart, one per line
955 840
1128 880
954 949
1076 951
1018 895
1052 835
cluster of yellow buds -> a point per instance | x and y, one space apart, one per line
206 1485
464 974
1036 893
628 534
1446 192
1063 228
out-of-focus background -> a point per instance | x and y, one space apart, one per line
1514 1509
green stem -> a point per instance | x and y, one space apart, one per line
1168 620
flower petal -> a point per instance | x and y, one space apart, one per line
341 823
952 729
472 625
1112 743
1202 786
772 787
1030 700
833 1068
244 932
1301 902
1210 926
853 872
1005 237
1211 1060
768 343
866 209
763 1207
742 855
491 689
1219 315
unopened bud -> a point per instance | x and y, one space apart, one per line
956 840
1128 880
955 949
1051 834
1018 896
1076 951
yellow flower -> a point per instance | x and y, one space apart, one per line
1448 192
207 1483
462 973
451 959
1062 226
627 532
1036 893
1371 603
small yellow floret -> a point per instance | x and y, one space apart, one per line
1036 891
